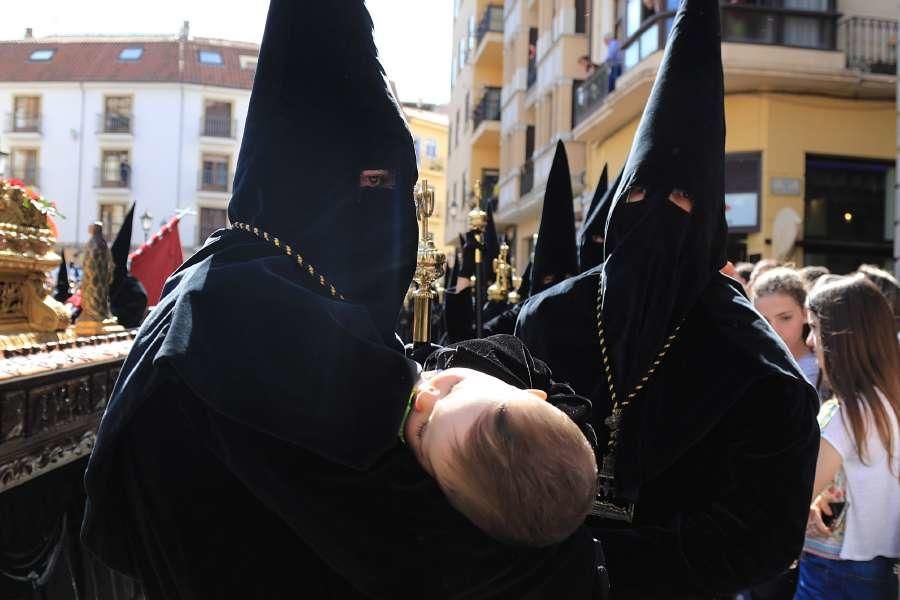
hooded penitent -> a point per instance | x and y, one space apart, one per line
127 296
63 287
709 401
593 230
660 258
275 331
555 255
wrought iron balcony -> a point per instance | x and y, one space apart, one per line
112 177
591 93
218 127
532 73
526 178
488 108
870 44
214 181
114 123
491 21
23 123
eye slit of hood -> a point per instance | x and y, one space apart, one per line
682 200
635 194
376 178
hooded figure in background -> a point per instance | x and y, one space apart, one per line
555 255
710 446
127 296
250 446
63 286
593 230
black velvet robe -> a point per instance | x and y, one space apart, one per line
721 446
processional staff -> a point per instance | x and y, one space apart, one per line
430 264
477 225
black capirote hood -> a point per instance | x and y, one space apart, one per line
327 163
593 230
660 258
555 255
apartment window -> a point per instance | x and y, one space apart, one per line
117 114
417 143
580 16
456 130
431 148
26 113
214 173
42 55
112 215
211 219
211 57
115 169
24 165
743 175
131 54
217 119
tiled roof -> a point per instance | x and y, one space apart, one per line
87 59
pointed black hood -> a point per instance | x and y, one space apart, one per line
555 255
525 285
120 249
63 289
327 163
593 230
660 258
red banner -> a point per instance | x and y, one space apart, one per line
158 258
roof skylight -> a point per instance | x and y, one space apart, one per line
211 57
42 55
131 54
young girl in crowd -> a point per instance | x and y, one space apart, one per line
853 537
780 296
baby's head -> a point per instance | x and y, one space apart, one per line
510 461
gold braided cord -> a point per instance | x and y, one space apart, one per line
614 420
298 258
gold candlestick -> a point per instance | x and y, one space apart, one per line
430 264
499 291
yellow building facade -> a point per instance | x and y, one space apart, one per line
811 88
810 119
429 130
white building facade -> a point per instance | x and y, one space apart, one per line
96 137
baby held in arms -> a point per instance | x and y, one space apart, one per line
506 457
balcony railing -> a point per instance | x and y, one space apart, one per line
488 108
27 175
491 21
769 22
114 123
870 44
214 181
220 127
532 73
592 93
112 177
526 178
22 123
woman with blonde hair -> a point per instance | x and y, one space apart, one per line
853 537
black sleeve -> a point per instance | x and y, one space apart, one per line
745 535
508 359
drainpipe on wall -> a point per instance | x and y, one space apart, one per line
78 231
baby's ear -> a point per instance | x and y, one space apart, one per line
540 394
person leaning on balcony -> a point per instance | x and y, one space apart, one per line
124 171
613 58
